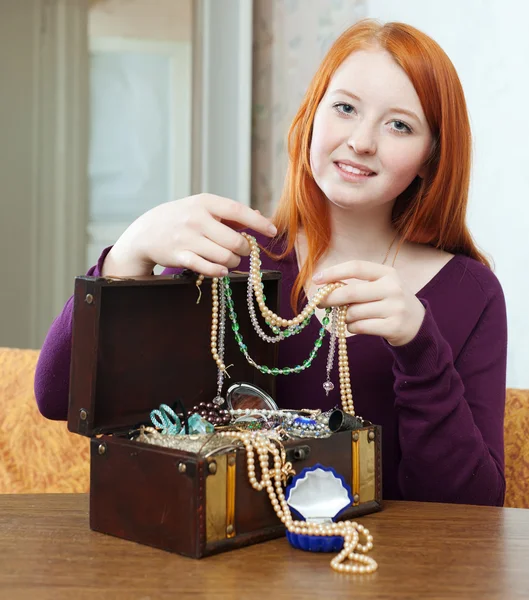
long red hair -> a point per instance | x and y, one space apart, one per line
431 210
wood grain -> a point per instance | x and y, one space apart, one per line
424 551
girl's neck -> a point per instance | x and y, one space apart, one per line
358 236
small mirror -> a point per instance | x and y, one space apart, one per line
242 396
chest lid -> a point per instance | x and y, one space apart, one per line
141 342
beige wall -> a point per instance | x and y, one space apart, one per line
290 39
161 20
17 168
42 163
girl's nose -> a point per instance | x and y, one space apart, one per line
362 139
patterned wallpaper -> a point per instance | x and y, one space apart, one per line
290 39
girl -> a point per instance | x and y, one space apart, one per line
375 196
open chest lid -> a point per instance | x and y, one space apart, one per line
141 342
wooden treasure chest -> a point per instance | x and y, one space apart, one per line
143 342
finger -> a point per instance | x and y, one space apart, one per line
354 269
240 215
362 291
369 327
226 237
212 252
367 310
190 260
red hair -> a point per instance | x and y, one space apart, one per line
431 210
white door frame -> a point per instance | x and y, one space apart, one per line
222 97
221 134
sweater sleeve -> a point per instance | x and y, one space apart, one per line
52 374
450 414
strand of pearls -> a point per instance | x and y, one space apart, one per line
269 315
272 480
221 326
251 310
341 328
346 393
215 325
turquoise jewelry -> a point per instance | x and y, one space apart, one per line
166 419
202 419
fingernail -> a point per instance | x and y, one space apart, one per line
224 272
272 229
317 277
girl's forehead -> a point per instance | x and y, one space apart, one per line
372 75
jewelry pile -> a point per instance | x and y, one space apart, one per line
260 430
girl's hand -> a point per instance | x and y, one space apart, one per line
379 303
198 233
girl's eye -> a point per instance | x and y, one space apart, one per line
344 108
400 127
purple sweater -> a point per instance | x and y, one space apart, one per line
440 399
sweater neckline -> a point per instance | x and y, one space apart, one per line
420 294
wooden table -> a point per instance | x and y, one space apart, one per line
424 551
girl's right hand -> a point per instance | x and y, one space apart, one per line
198 233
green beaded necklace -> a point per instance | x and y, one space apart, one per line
282 327
244 349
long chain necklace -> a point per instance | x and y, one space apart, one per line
290 326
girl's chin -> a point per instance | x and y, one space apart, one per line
349 200
357 203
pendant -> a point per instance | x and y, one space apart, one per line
218 400
328 386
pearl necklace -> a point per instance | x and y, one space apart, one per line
272 480
292 325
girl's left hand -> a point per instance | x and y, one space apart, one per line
379 303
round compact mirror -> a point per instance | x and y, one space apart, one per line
247 396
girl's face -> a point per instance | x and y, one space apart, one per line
370 137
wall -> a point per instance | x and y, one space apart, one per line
488 44
17 164
42 163
161 20
290 39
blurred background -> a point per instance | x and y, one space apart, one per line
110 107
